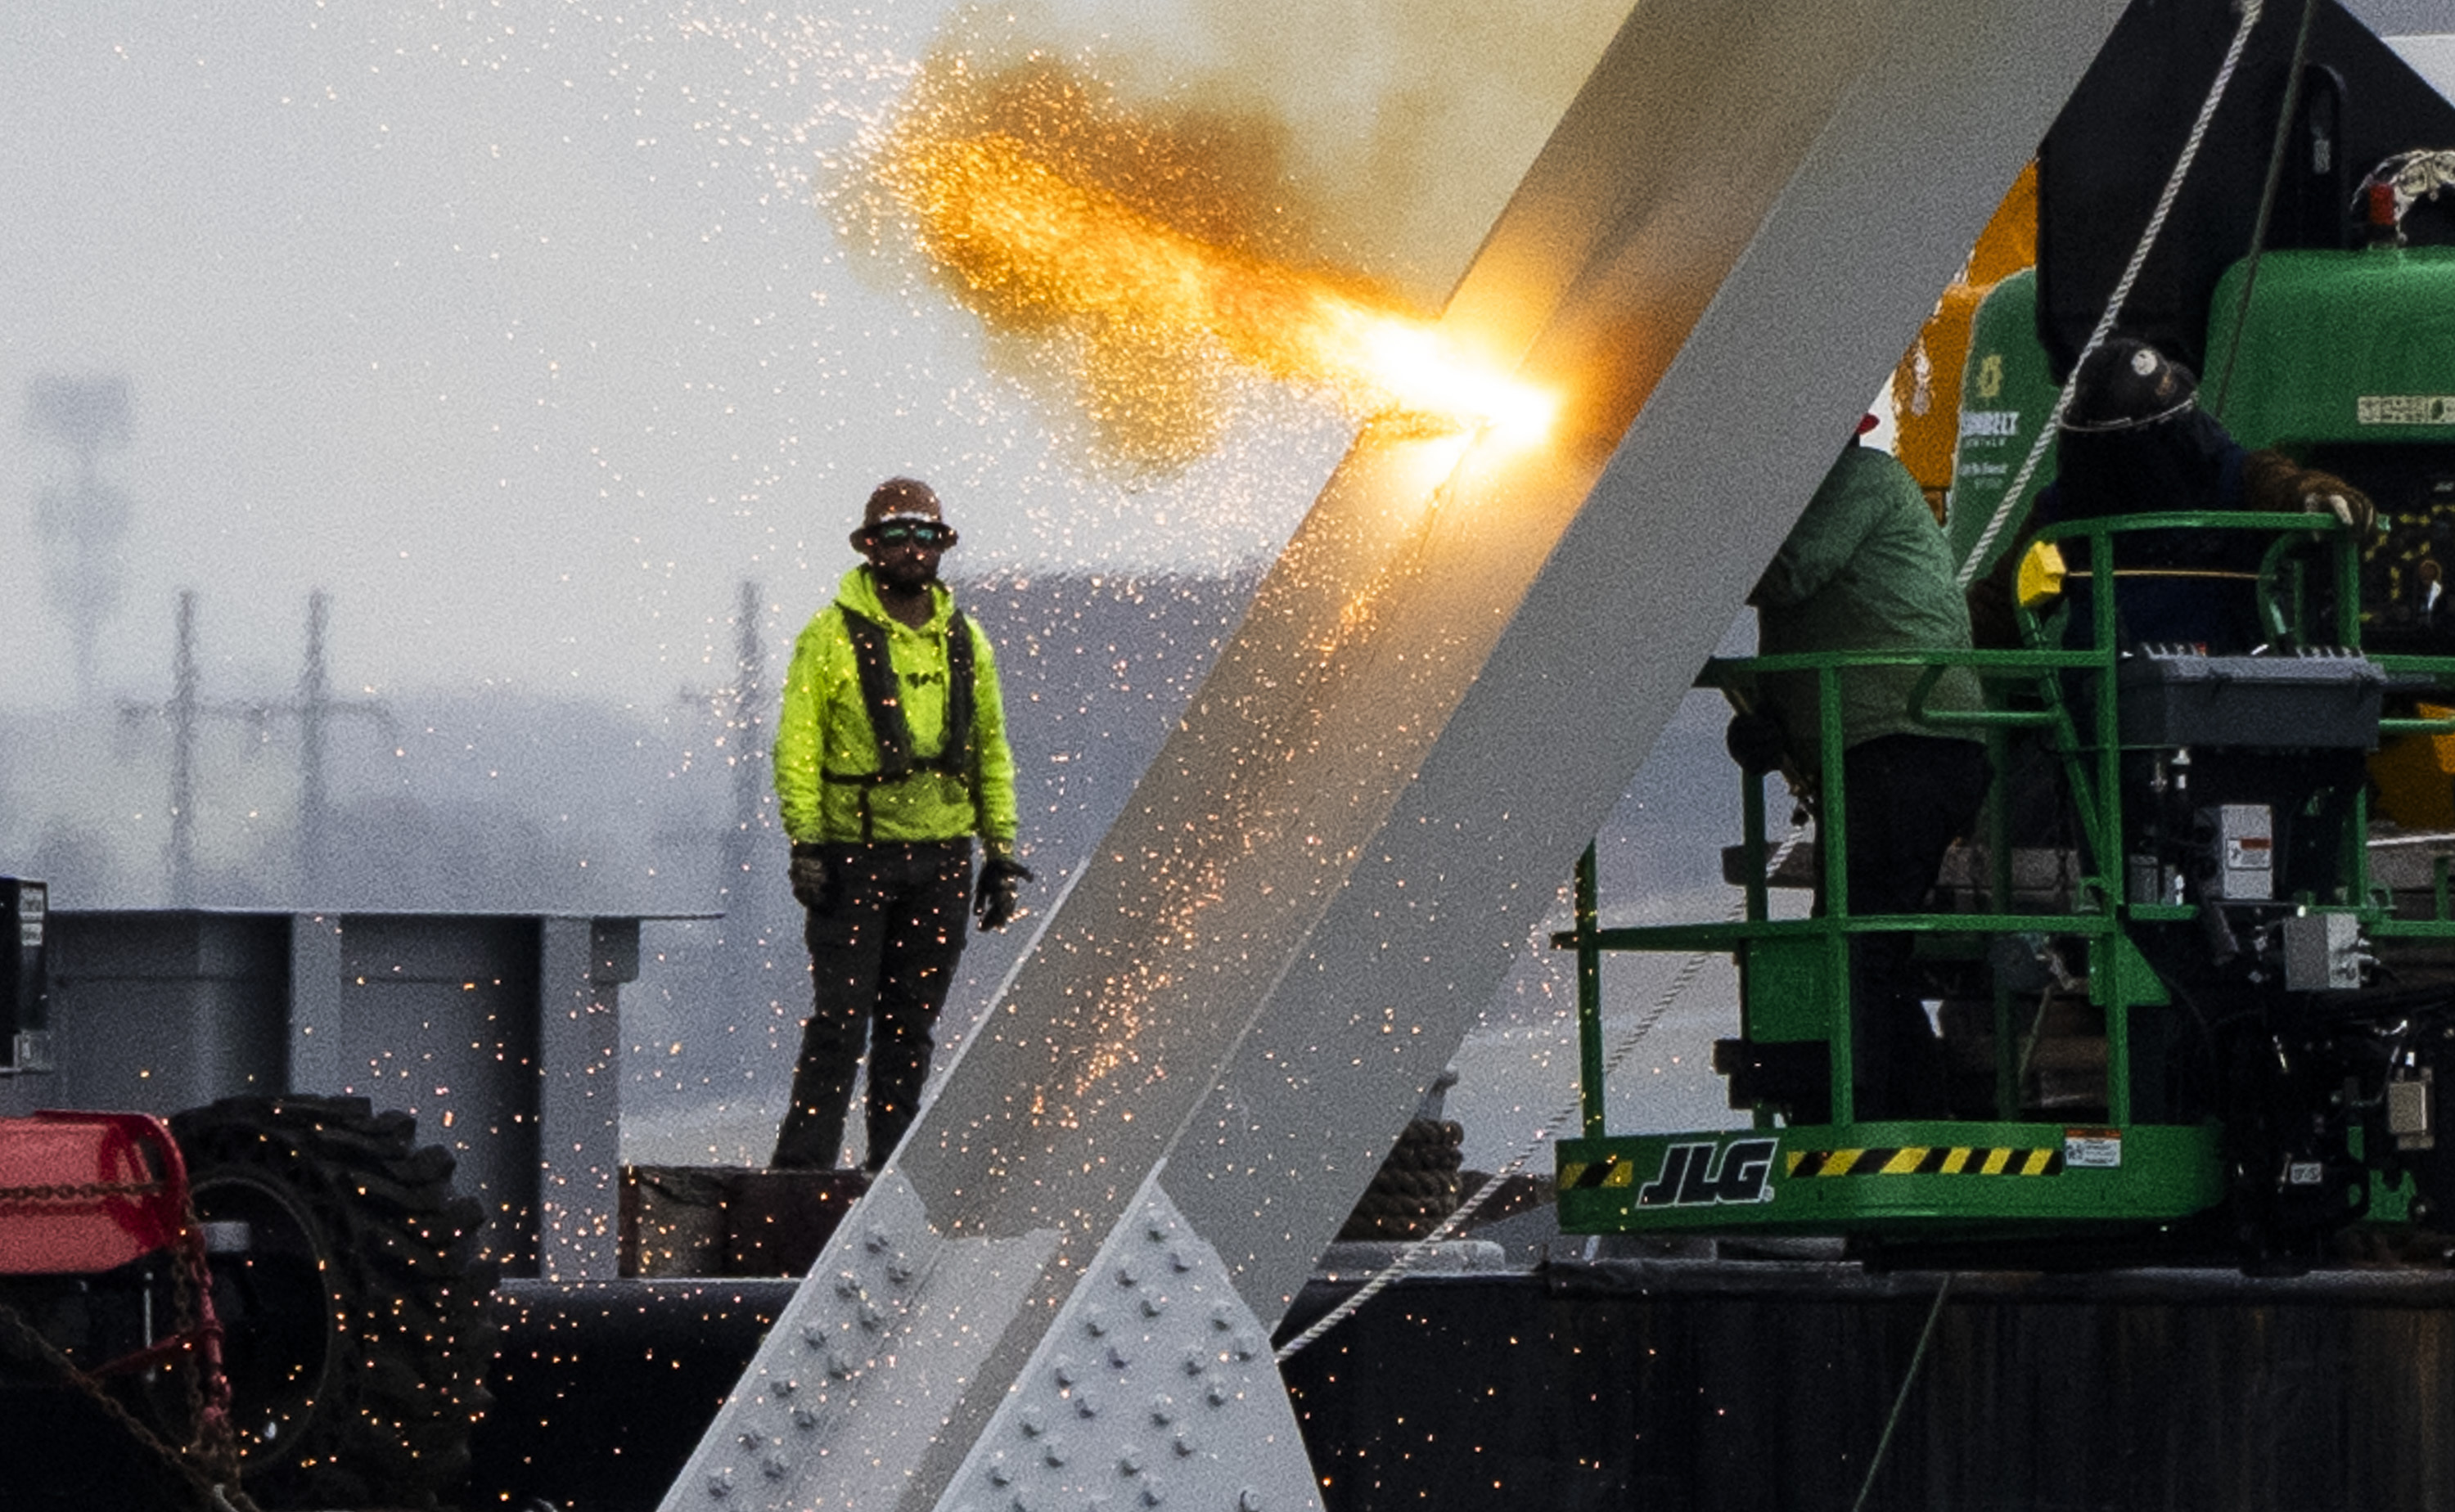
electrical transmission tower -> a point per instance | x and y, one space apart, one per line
740 710
82 522
315 708
739 851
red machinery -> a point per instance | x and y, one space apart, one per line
98 1203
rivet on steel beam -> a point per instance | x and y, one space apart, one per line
1217 1392
1086 1406
1177 1262
814 1335
876 1241
1129 1463
1055 1452
1153 1493
1128 1274
1118 1357
805 1417
1182 1443
783 1388
775 1468
999 1473
1162 1409
1248 1500
1153 1305
1222 1317
720 1486
1095 1322
1065 1372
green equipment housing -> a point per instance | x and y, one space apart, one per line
2151 1049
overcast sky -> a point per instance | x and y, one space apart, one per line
513 324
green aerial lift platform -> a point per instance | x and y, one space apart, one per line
2145 1050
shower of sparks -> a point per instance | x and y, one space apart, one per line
1124 244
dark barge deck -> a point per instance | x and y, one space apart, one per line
1676 1383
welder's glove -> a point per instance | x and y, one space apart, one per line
998 894
811 874
1756 743
2274 481
2322 494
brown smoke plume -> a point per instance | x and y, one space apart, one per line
1151 260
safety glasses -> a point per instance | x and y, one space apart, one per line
920 533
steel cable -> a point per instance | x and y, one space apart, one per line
1407 1259
2121 291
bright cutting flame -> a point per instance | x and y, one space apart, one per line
1035 243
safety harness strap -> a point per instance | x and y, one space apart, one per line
881 694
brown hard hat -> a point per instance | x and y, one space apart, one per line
899 498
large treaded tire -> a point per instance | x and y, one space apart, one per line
356 1317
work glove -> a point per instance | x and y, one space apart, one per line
1756 743
2323 495
2274 481
996 896
811 874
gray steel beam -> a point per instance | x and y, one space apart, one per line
1450 677
1617 576
581 965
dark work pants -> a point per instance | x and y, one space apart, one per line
1908 798
884 945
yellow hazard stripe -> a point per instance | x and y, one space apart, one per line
1609 1171
1911 1160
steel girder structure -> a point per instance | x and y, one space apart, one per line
1060 1292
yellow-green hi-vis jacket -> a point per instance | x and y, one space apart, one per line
827 752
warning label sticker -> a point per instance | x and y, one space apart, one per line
2098 1149
2405 409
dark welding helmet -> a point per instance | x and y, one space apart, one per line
2127 384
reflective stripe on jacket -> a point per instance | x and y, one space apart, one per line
824 728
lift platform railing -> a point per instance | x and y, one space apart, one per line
2065 689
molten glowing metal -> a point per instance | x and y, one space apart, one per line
1035 249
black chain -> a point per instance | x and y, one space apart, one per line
213 1491
81 1191
215 1443
209 1460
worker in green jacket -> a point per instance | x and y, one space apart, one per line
1867 569
891 757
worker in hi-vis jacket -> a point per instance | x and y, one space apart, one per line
891 757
